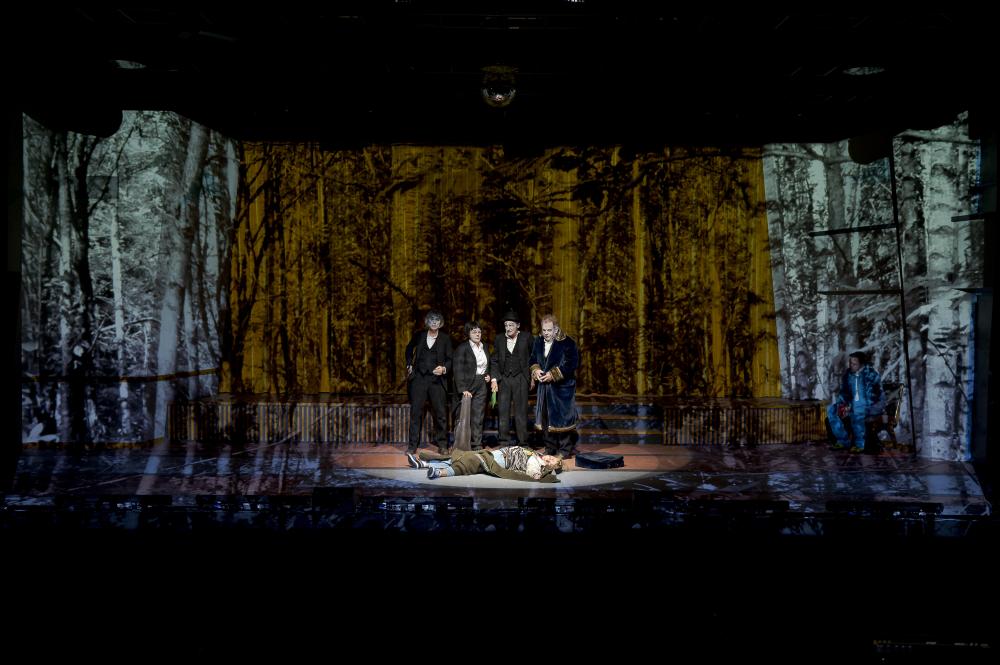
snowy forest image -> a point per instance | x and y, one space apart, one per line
816 188
123 242
168 263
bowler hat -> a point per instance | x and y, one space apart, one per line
511 315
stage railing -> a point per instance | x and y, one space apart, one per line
380 419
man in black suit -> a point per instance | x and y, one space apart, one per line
472 378
428 361
512 379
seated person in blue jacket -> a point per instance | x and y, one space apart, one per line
859 396
510 462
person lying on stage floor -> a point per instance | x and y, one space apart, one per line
510 462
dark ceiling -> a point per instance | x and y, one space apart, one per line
587 72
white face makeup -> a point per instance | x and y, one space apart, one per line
548 331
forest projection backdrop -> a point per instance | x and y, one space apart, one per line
167 262
818 188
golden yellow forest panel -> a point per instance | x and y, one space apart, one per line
656 263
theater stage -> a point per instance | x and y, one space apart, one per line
791 483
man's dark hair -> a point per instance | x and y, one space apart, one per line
862 358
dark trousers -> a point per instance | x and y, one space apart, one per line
513 391
555 442
476 411
423 388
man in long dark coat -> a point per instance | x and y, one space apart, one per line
554 360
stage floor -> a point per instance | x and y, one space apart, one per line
778 550
807 478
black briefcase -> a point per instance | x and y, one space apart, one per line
598 461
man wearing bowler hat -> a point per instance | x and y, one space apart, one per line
511 378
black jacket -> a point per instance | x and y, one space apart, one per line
424 360
505 364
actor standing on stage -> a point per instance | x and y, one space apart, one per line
428 361
554 360
512 378
472 378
